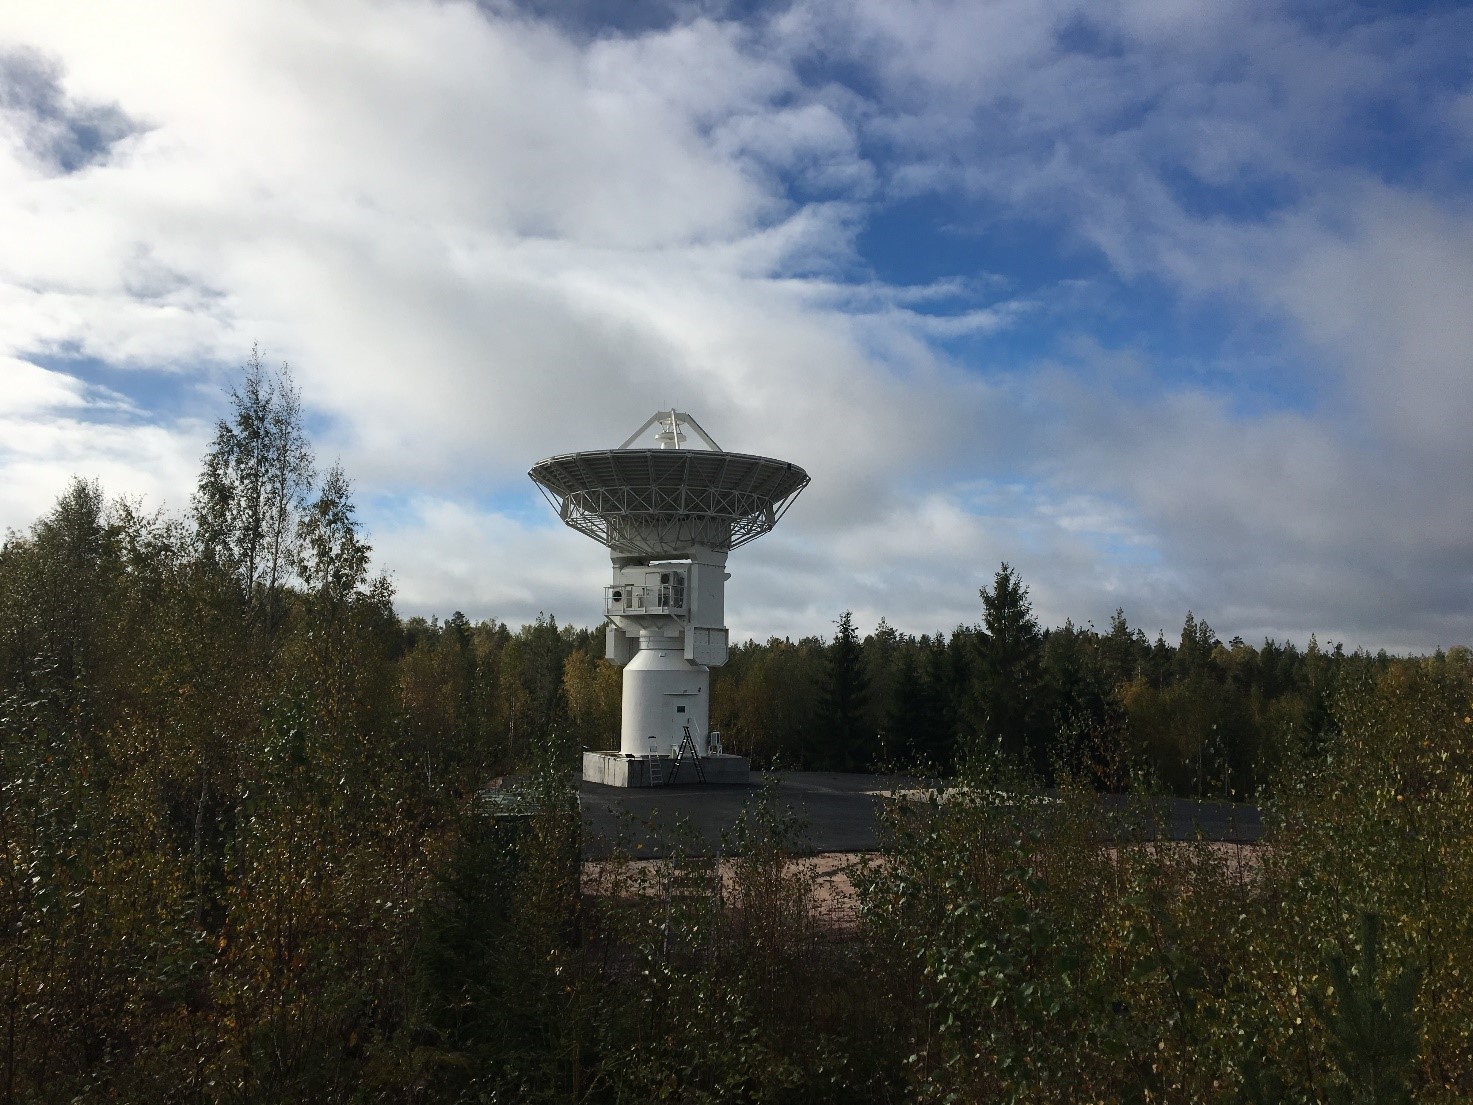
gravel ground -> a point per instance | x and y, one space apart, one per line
830 879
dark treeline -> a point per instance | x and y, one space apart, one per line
1197 716
246 853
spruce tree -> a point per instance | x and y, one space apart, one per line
919 720
1374 1037
1010 684
846 745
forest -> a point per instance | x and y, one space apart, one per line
246 856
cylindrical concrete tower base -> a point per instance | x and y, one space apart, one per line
663 694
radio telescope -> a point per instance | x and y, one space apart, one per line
668 516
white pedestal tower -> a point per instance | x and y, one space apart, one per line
668 515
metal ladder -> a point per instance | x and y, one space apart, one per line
656 766
687 751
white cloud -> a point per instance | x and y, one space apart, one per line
43 451
445 555
480 241
26 389
1392 294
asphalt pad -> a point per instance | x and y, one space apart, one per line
831 812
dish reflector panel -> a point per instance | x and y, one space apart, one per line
662 502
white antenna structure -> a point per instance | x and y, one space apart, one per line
668 516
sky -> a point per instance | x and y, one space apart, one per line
1167 304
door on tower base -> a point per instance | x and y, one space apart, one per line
682 714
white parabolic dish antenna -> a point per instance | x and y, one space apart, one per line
668 516
669 500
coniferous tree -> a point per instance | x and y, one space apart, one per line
846 744
920 720
1122 650
1010 673
1374 1036
880 659
1158 664
960 673
1079 691
1194 654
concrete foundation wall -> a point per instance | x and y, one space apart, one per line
613 769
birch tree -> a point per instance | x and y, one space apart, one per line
253 487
